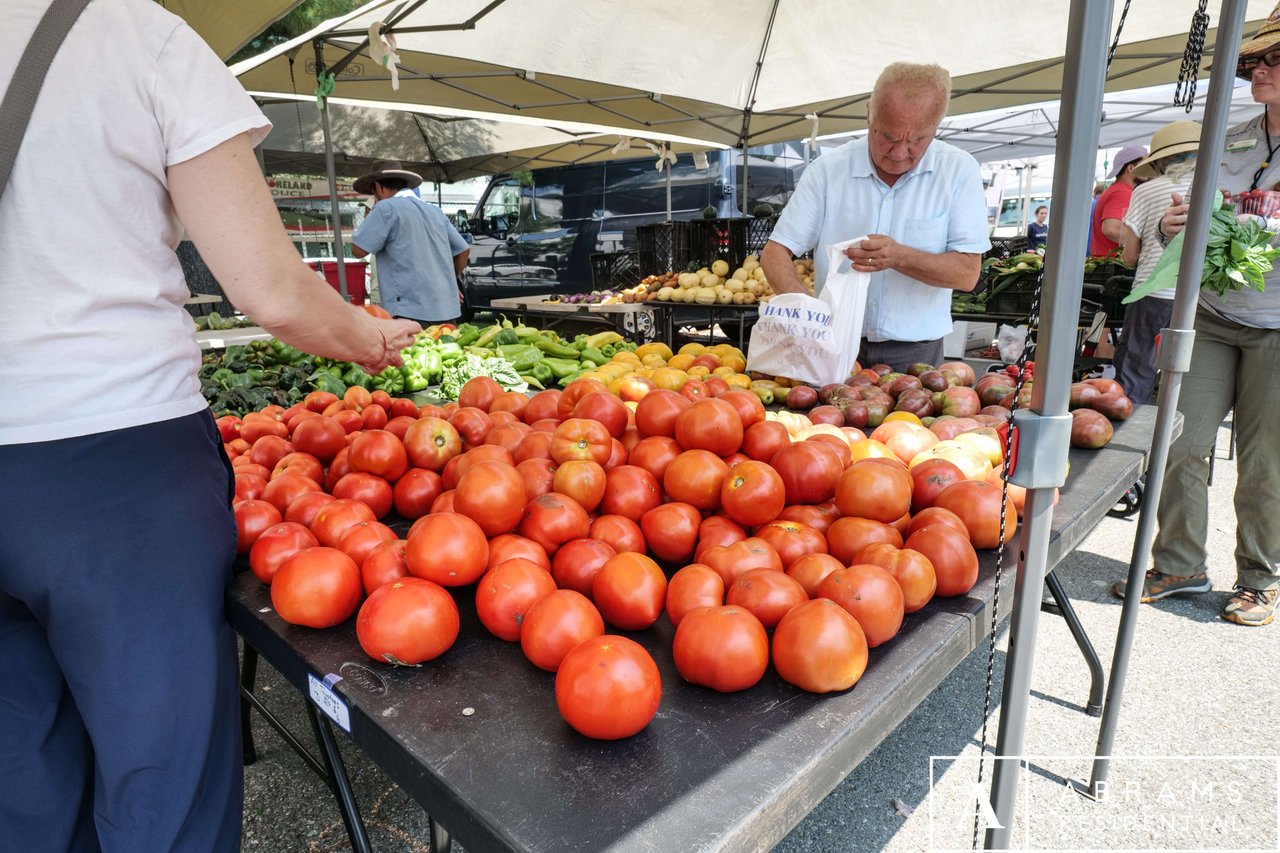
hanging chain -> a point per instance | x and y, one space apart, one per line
1185 94
1115 44
297 105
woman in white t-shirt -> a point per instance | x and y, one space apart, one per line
1168 169
119 725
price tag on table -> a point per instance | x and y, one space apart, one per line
328 701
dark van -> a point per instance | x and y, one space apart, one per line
535 232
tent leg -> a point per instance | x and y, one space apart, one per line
1084 76
332 174
1173 364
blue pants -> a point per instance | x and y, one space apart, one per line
119 724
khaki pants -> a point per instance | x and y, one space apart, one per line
1232 366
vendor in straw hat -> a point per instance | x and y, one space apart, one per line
420 255
1168 169
1235 365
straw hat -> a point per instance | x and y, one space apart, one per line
385 169
1174 138
1267 36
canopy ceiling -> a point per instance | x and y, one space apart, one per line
228 25
674 68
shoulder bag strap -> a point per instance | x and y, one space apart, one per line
28 78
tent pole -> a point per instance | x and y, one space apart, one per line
1042 462
331 173
1173 360
667 165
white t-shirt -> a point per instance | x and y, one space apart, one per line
93 333
1146 208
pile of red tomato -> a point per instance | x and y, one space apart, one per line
568 513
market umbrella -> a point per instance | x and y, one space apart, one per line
228 25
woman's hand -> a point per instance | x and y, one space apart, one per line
391 336
1175 216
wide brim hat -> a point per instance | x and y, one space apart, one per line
385 169
1176 137
1267 37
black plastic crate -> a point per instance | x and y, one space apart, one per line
667 246
1005 247
615 270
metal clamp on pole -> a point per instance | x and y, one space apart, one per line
1040 447
1173 350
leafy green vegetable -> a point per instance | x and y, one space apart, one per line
461 371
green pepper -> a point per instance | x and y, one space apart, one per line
356 376
628 346
555 350
522 356
594 356
561 367
488 336
608 350
450 352
566 381
389 380
527 333
467 333
446 339
322 380
222 376
506 337
542 372
430 364
532 381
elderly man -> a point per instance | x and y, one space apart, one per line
921 203
420 254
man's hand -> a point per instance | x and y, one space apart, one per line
1175 216
876 253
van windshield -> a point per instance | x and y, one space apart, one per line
501 206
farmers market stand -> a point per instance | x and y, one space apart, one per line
476 740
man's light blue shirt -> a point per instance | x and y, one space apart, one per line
415 244
938 206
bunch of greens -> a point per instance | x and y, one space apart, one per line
459 372
1237 254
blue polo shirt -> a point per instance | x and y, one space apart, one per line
938 206
415 245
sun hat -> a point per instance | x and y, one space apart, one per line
1174 138
1267 36
1127 155
385 169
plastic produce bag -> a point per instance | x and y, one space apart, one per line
813 339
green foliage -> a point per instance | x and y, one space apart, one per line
307 16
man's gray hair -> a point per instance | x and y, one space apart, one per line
911 81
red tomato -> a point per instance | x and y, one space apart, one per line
696 477
317 587
477 455
762 440
255 427
671 531
503 418
511 545
350 420
407 622
284 489
384 564
297 462
752 494
718 530
358 399
694 586
750 409
848 536
303 509
936 515
731 561
555 625
237 447
444 503
582 480
871 490
576 390
249 487
812 569
656 413
510 401
253 518
553 519
630 491
694 390
333 519
430 410
654 454
275 545
792 540
929 478
839 445
810 471
508 436
911 569
472 424
380 453
620 532
710 424
480 392
374 417
505 594
300 414
724 648
268 450
603 407
608 687
955 562
402 407
431 442
819 647
447 548
318 401
492 495
766 594
977 503
362 537
579 438
415 492
228 427
368 488
617 456
535 445
630 590
338 469
871 595
578 561
538 476
820 517
545 425
544 404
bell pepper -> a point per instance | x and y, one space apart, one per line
562 367
542 372
506 337
522 356
356 376
555 350
389 380
413 379
450 351
593 355
467 333
322 380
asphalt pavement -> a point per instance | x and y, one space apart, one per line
1194 765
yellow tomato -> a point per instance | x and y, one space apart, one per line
692 349
734 362
724 371
902 416
738 380
680 362
654 348
653 360
669 378
698 371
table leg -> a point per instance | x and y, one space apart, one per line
441 842
338 781
1098 680
248 675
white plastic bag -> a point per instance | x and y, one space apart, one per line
813 339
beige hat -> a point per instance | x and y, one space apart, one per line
385 169
1267 36
1174 138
